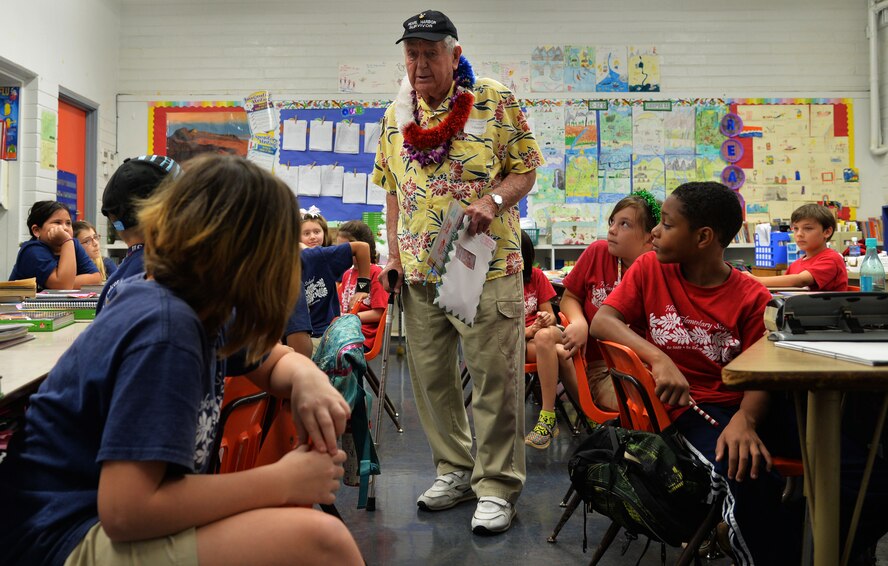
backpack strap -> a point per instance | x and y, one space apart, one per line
368 460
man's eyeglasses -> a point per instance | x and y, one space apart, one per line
90 239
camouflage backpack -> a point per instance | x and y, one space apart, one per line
650 484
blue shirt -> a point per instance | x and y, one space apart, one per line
321 268
36 259
141 383
132 264
110 266
300 318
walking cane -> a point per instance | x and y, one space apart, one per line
380 397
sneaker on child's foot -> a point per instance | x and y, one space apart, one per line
493 515
448 490
541 435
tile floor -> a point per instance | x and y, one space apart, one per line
398 533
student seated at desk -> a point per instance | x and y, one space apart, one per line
699 314
135 180
107 468
821 268
53 255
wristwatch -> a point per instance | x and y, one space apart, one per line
498 201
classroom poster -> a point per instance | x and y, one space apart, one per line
514 75
644 69
375 77
9 113
580 127
48 139
610 69
547 69
579 68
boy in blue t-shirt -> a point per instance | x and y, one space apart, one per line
133 181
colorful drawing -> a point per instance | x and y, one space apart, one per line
649 173
615 130
182 130
680 169
644 69
579 68
9 114
580 127
581 176
549 185
707 136
514 75
371 76
679 124
709 167
648 132
547 69
547 123
610 69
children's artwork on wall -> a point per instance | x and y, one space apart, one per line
648 132
514 75
644 68
182 130
547 69
579 68
549 184
580 127
615 127
574 233
581 176
680 169
707 137
547 124
649 173
610 69
680 137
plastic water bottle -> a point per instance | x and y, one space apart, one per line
854 248
872 272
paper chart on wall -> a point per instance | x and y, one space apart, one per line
372 130
260 112
547 69
348 137
382 77
514 75
644 68
294 134
321 135
822 120
354 188
289 175
331 180
262 151
579 68
375 193
610 69
309 180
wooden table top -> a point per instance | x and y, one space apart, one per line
765 366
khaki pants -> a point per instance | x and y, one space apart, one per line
96 549
494 353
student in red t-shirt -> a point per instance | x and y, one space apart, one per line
543 345
370 309
821 268
597 272
699 314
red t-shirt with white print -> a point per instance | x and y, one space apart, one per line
827 268
700 328
592 279
538 292
378 299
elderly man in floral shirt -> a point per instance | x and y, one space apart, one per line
448 137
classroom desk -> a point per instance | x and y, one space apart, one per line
24 366
764 366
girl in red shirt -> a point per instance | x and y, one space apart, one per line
370 308
598 271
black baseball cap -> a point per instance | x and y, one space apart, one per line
134 180
429 25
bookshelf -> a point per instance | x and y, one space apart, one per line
547 254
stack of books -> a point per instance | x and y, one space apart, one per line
37 321
14 291
83 305
13 334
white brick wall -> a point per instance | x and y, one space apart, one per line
709 47
71 44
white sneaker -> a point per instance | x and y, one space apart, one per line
493 515
448 490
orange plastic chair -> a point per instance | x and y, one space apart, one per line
853 288
245 415
372 378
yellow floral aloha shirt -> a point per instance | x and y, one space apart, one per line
475 166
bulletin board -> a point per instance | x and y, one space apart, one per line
332 208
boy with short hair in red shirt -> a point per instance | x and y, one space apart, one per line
821 268
699 314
